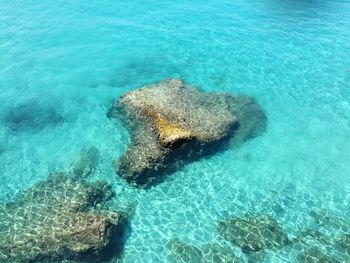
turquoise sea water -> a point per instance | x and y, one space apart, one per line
72 59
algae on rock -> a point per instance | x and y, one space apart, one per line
172 123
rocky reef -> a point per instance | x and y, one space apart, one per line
254 233
61 218
182 252
172 123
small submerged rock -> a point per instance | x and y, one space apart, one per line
208 253
254 233
31 116
342 244
327 218
172 123
315 255
60 218
87 162
318 247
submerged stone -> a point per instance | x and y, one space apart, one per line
87 162
315 255
172 123
55 219
327 218
31 115
254 233
208 253
317 247
62 218
306 235
342 243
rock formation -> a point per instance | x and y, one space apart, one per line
182 252
172 123
254 233
60 218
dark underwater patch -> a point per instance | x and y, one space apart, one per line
254 234
31 116
187 253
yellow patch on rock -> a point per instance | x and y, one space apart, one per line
169 133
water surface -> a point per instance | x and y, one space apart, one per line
73 58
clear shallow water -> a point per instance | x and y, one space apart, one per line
293 57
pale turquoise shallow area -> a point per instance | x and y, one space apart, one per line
292 56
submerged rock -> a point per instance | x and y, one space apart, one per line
251 118
87 162
55 219
61 218
327 218
31 115
254 233
315 255
318 247
342 243
172 123
208 253
314 236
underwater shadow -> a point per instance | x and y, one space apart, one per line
31 115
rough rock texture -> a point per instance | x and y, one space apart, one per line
182 252
253 233
172 123
57 219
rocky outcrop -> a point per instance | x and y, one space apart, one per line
182 252
60 218
172 123
254 233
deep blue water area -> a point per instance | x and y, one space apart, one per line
63 63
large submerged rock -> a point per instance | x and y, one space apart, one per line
172 123
60 218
